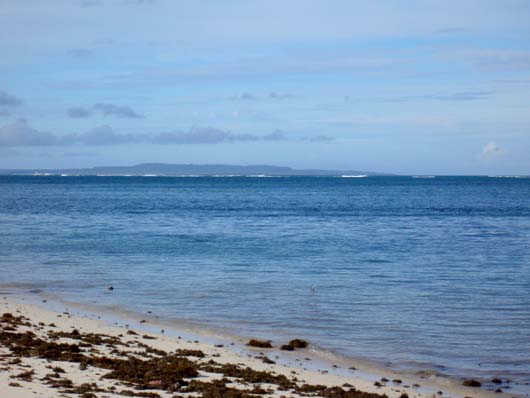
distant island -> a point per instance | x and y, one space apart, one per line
175 170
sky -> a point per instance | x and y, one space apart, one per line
401 86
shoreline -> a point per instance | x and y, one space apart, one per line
306 364
213 334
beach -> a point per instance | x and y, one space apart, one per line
75 353
264 199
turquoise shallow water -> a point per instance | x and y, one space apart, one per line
418 273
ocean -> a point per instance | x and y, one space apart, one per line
413 273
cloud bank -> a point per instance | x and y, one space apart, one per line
496 59
19 134
123 112
9 100
246 96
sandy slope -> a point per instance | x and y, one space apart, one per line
41 319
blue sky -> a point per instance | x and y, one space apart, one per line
430 87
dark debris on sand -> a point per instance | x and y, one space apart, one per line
147 368
259 343
294 344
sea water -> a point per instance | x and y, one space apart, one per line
418 273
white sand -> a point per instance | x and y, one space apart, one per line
227 354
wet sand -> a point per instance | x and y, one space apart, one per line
50 352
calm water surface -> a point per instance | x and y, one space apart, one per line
421 273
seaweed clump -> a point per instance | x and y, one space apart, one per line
87 338
249 375
25 376
294 344
336 392
165 373
266 359
9 322
218 389
471 383
259 343
28 345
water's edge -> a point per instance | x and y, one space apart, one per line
426 379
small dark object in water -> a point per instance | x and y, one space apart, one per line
496 381
498 390
219 345
440 392
384 380
132 332
377 384
397 381
110 288
259 343
404 395
471 383
143 321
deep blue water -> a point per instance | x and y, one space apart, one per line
417 272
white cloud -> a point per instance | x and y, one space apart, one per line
491 149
